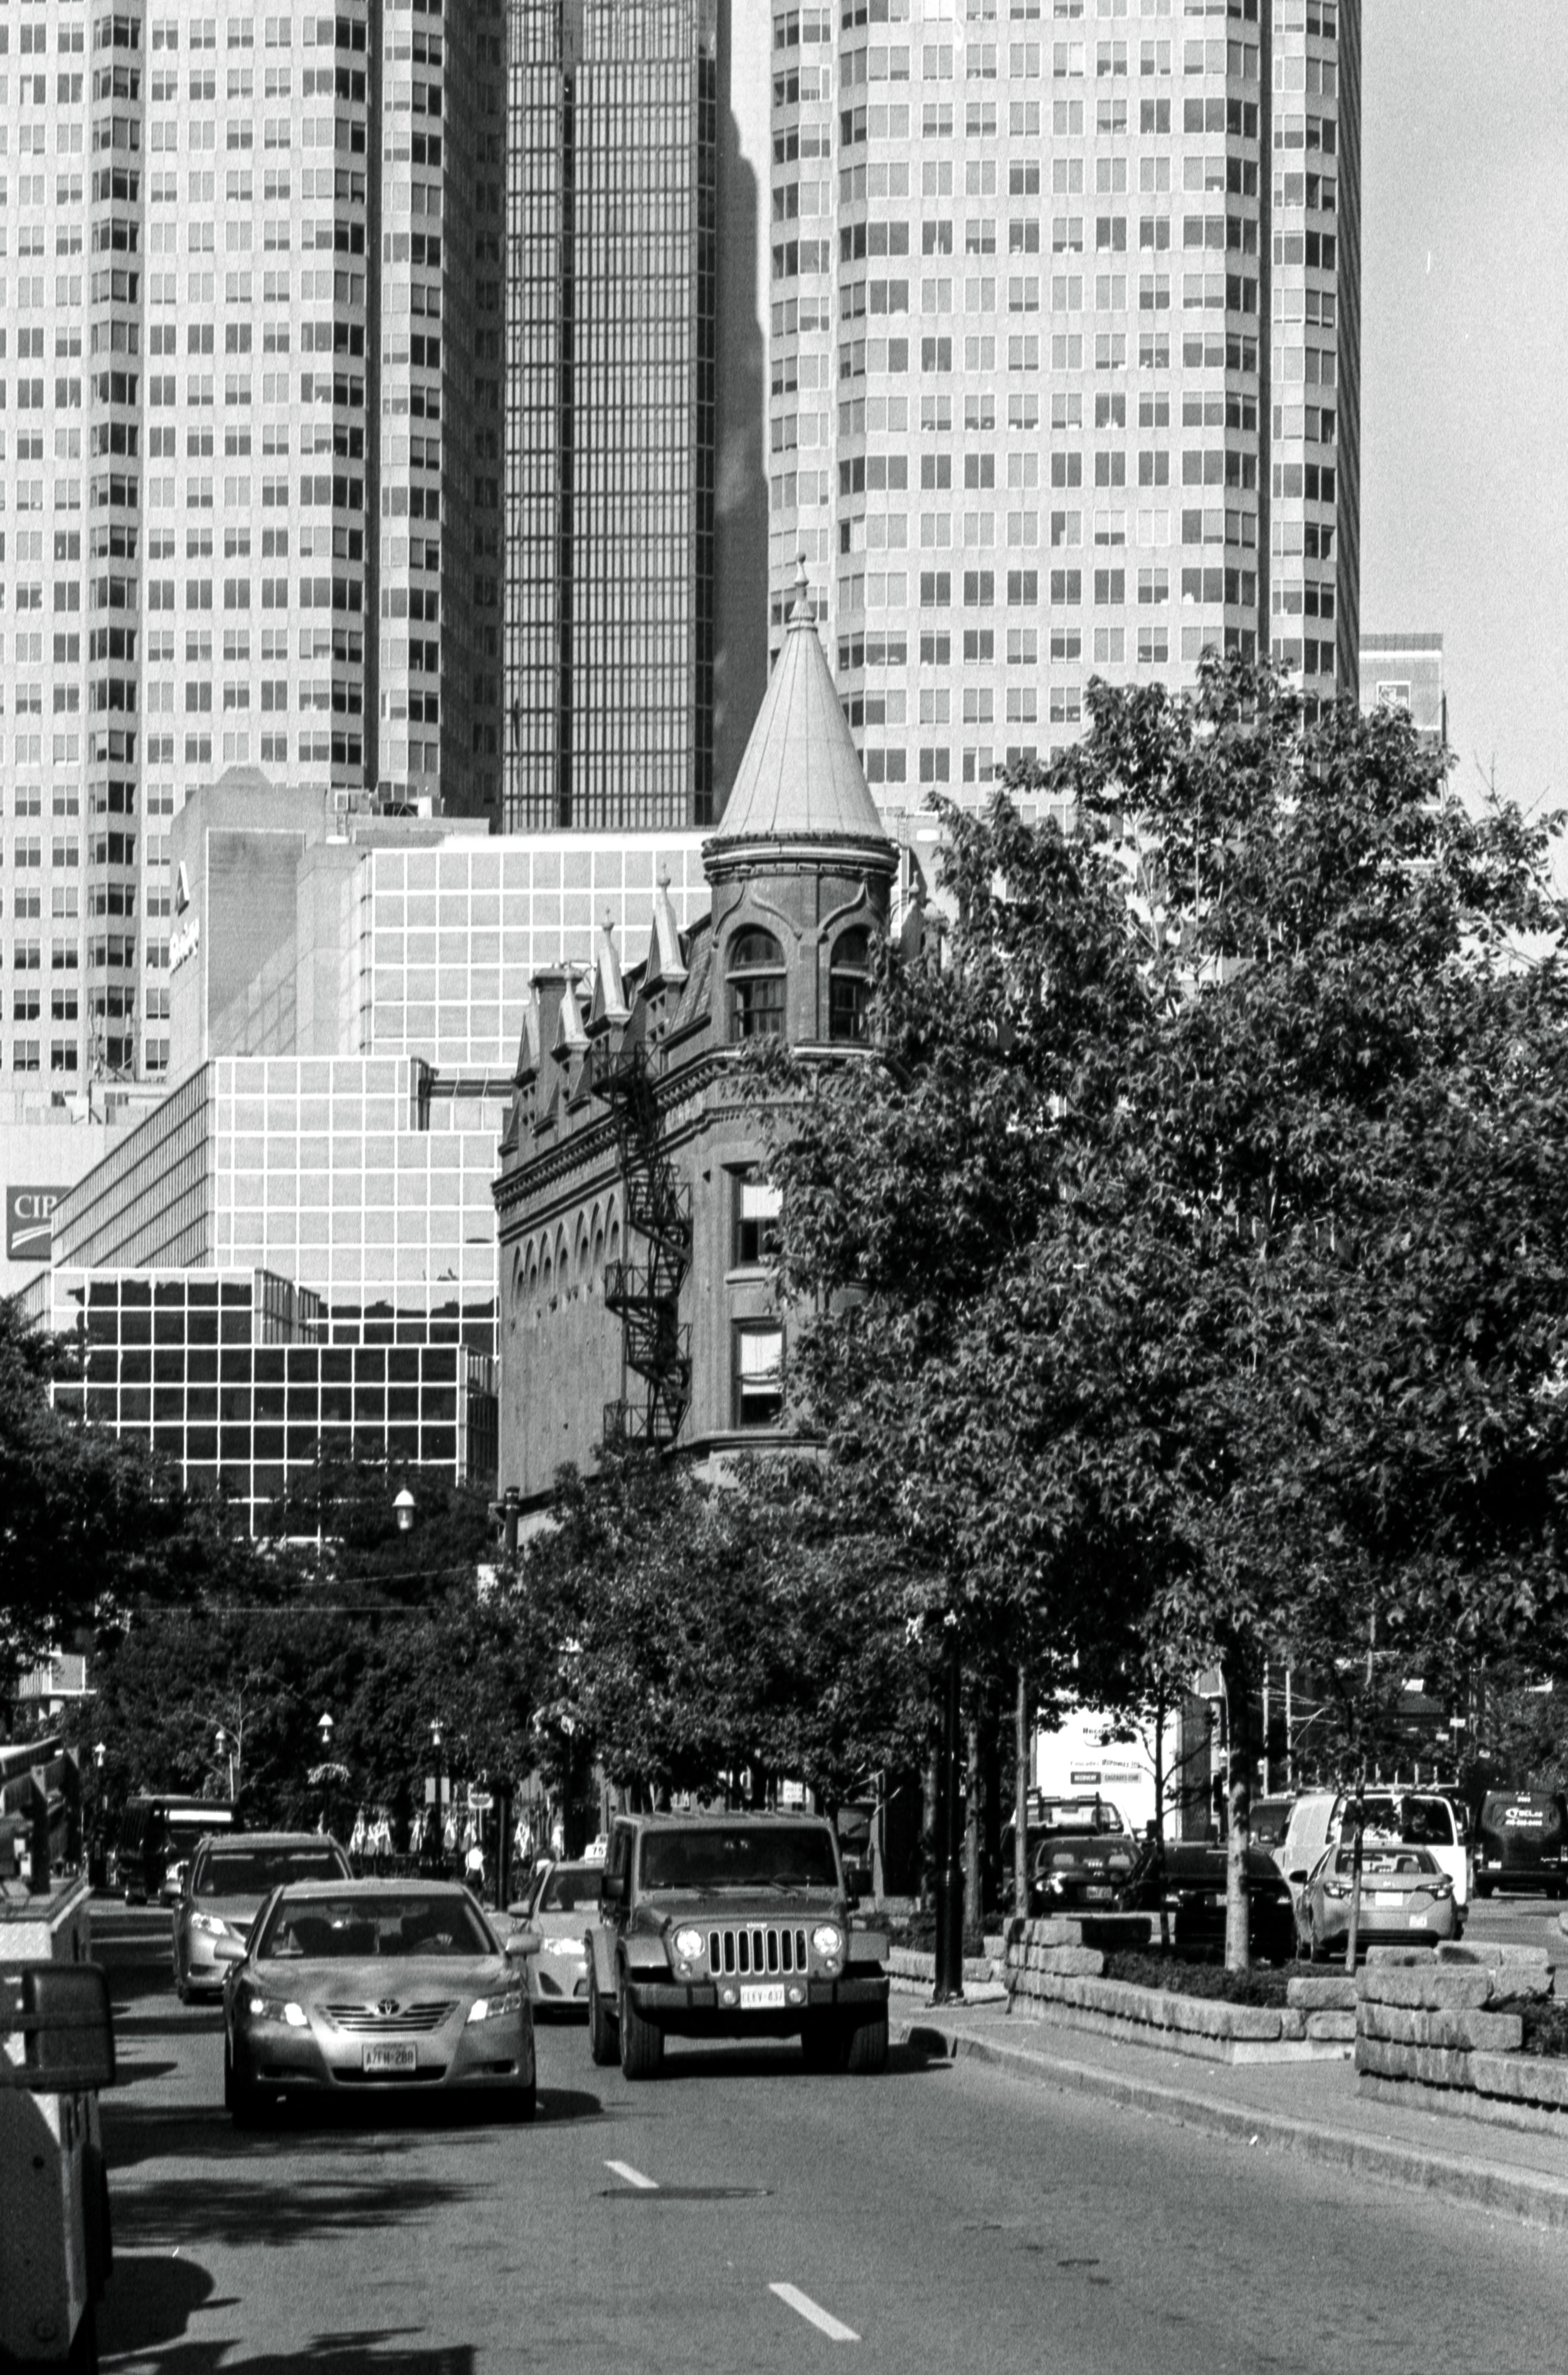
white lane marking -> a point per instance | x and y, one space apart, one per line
633 2176
823 2320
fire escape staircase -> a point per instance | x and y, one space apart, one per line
645 1294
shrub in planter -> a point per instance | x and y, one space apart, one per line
1209 1981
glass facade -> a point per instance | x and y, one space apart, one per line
251 459
1064 356
230 1374
611 274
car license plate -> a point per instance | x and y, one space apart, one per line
1386 1897
1097 1894
391 2060
767 1999
1418 1920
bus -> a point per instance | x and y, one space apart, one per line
157 1833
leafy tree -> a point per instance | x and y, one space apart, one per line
1189 1270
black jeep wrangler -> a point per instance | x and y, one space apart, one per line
732 1925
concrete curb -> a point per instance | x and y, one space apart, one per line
1540 2200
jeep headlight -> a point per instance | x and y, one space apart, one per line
689 1944
827 1940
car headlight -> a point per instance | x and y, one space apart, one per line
271 2008
828 1940
572 1946
1444 1887
689 1944
209 1925
495 2008
1335 1888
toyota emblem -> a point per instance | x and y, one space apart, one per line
387 2006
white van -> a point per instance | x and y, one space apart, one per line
1395 1817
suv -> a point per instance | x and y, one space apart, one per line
732 1925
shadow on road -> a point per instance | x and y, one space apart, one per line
782 2061
153 2298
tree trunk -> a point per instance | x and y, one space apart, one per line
973 1819
1352 1933
1023 1741
1238 1930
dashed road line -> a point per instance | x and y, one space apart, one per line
633 2176
814 2314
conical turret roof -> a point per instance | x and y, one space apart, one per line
800 778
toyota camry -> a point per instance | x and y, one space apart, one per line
376 1988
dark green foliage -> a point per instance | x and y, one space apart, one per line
1546 2022
1211 1980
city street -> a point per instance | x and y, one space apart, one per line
740 2212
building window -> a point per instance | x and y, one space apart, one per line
756 985
849 986
756 1223
758 1374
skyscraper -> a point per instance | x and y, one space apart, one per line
274 536
1064 356
612 263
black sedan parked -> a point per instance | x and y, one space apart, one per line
1188 1879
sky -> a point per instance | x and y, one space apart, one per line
1465 368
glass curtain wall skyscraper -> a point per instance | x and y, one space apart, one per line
1064 356
256 256
611 270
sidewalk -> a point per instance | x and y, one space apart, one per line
1311 2108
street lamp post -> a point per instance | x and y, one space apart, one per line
225 1747
403 1508
439 1851
97 1848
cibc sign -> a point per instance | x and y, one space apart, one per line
29 1221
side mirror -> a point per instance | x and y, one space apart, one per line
229 1950
612 1888
1298 1880
522 1942
851 1901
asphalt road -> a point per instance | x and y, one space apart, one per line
738 2214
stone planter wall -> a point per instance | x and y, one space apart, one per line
1426 2037
1054 1972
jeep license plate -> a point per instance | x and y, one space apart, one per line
391 2060
766 1999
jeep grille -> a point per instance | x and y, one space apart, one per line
756 1949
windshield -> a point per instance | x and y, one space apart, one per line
799 1856
1380 1862
1270 1820
1081 1814
570 1887
251 1872
319 1929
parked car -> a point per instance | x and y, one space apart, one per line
562 1901
376 1988
1414 1818
1269 1823
1521 1841
226 1882
1308 1833
732 1925
1085 1857
1406 1896
1190 1879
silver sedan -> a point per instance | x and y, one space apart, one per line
562 1905
377 1988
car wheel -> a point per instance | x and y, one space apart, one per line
823 2045
641 2044
228 2074
1485 1888
868 2056
82 2357
602 2049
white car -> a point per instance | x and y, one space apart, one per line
1413 1818
561 1905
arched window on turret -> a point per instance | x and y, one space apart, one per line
849 986
756 974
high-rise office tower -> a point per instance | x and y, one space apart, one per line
612 230
1064 356
254 477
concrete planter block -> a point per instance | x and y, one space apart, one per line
1324 1994
1433 1989
1386 1957
1336 2026
1071 1962
1256 2022
1463 2032
1495 1955
1294 2021
1522 2077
